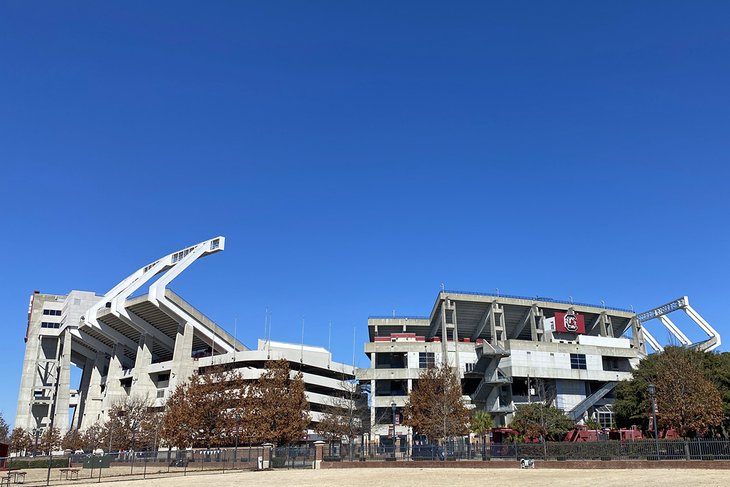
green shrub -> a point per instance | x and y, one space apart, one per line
278 462
25 464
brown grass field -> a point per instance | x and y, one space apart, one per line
419 477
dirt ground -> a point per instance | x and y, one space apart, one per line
417 477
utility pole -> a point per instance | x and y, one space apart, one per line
652 395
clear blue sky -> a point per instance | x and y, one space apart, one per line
356 155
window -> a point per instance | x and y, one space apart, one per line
426 360
52 312
46 324
616 364
578 361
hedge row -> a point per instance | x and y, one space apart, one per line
23 464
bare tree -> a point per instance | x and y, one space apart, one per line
279 406
213 397
345 416
49 440
72 440
20 440
434 407
132 424
178 426
333 425
206 410
93 437
4 429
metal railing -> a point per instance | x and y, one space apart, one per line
539 298
460 450
293 457
129 464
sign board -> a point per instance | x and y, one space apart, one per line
567 322
97 461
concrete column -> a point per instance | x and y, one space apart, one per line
602 324
142 384
502 325
23 416
92 395
267 447
182 360
63 390
635 332
609 327
457 365
547 335
444 335
114 392
318 454
533 325
83 392
372 407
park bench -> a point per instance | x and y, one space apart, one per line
17 476
71 473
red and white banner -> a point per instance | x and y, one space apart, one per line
569 323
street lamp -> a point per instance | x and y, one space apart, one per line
235 452
37 434
392 407
651 388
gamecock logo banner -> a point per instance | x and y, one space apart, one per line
569 322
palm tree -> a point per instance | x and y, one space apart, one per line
481 423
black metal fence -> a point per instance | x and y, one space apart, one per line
697 449
293 457
129 464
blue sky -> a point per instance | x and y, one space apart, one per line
356 155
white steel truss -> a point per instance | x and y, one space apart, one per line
680 304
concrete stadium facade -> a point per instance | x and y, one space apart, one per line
506 350
511 350
143 346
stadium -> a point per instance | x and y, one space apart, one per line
514 350
144 346
507 351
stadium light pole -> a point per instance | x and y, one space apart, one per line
651 388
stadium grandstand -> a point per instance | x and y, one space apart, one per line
514 350
143 346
